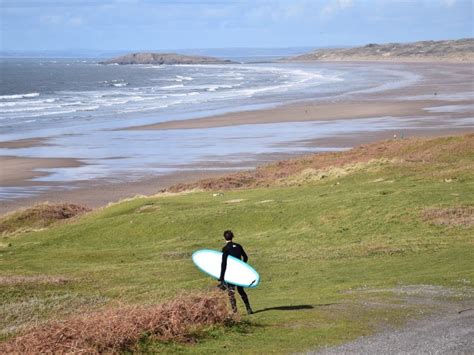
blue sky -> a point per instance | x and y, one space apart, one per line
167 24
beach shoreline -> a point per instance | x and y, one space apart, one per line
307 111
442 85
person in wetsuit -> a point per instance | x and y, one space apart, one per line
238 252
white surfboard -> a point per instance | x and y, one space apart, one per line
237 272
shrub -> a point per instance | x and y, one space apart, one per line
120 329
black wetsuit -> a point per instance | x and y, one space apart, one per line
238 252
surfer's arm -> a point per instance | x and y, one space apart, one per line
244 255
223 265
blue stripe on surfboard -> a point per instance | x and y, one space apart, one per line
251 285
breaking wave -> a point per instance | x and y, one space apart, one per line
180 86
19 96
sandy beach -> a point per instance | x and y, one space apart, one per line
304 112
18 171
24 143
444 94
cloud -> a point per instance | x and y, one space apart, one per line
51 20
334 6
47 3
61 20
75 21
448 3
93 3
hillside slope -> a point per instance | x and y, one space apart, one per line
337 164
451 50
332 235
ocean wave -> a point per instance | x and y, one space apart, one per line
19 96
186 78
74 103
27 109
141 109
151 66
172 87
115 83
119 85
216 87
23 103
39 114
88 108
178 95
217 83
192 93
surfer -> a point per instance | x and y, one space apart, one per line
238 252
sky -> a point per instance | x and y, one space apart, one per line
168 24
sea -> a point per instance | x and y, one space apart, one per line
81 107
40 96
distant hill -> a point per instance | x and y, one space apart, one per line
461 50
163 58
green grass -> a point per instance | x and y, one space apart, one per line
312 245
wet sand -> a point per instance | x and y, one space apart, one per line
304 112
25 143
442 85
100 193
18 171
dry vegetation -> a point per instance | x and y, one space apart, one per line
451 50
312 175
39 216
319 166
455 216
37 279
120 329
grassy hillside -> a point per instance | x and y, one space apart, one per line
451 50
322 231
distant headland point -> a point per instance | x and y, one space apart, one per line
164 58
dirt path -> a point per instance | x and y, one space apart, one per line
450 330
443 334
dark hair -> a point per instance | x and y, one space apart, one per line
228 235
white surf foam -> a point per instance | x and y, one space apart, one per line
119 85
28 109
177 86
19 96
23 103
186 78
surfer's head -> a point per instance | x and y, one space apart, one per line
228 235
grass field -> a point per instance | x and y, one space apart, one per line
317 238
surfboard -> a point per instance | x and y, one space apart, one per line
237 272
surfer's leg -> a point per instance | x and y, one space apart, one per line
245 299
231 292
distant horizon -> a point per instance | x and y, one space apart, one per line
201 50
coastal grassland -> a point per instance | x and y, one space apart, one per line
38 217
319 245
